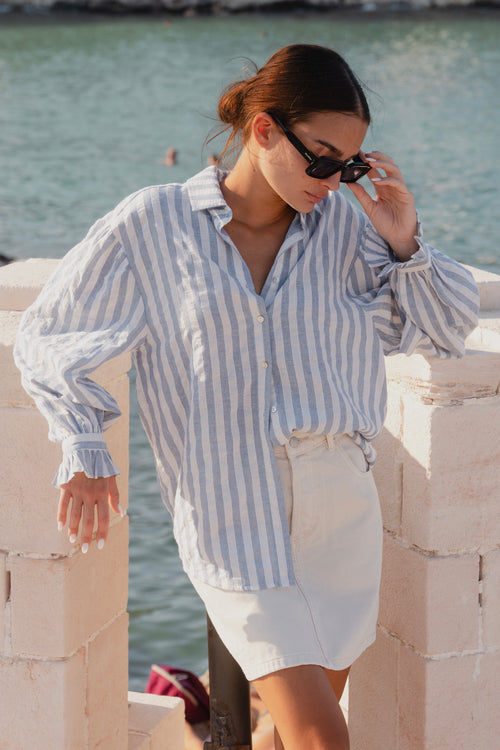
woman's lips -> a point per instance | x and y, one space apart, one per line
315 198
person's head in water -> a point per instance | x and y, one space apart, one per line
305 102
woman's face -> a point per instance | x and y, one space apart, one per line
330 134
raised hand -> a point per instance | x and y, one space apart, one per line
392 213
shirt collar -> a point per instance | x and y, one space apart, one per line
205 193
204 189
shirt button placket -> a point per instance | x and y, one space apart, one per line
260 319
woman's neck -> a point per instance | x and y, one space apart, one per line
250 198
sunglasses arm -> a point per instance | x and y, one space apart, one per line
308 156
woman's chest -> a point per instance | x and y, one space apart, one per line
258 250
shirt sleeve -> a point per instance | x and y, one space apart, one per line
428 304
88 312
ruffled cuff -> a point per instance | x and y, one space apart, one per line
88 453
380 257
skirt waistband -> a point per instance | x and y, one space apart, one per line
303 443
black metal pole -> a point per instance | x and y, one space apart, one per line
230 721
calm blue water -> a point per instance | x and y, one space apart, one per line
88 108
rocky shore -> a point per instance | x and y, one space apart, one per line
193 7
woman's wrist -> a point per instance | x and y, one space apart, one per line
404 251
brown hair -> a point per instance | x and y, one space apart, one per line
296 81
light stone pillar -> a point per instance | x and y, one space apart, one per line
431 681
63 619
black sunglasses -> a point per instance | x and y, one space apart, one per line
323 167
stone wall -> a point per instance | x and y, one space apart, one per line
63 619
432 679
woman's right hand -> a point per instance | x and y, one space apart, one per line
85 495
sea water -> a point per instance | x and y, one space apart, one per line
89 105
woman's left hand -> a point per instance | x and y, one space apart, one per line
392 213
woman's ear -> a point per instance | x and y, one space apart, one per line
263 129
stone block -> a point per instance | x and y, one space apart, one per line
13 394
388 469
430 602
417 430
488 284
107 686
28 522
489 332
466 450
373 696
491 598
449 381
437 703
73 597
486 685
156 722
451 475
402 700
43 704
21 282
138 741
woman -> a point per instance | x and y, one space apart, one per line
258 304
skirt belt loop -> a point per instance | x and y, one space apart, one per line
330 439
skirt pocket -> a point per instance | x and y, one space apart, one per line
352 454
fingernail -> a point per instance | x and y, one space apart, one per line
72 538
370 158
376 179
85 548
122 512
60 525
100 544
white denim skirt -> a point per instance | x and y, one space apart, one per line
329 616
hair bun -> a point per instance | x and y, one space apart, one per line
232 104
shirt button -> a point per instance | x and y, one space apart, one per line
275 279
265 364
260 318
294 442
274 409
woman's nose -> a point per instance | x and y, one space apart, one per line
333 182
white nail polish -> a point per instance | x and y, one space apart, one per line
376 179
60 525
85 548
72 538
122 512
100 544
369 158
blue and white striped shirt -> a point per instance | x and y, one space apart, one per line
223 373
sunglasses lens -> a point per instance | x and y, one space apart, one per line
323 168
353 172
